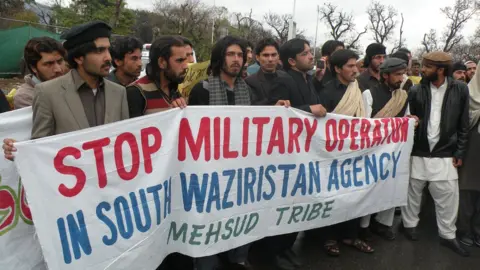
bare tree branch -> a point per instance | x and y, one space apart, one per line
458 15
340 22
430 41
279 24
401 40
341 25
355 38
382 21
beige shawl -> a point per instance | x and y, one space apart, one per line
395 105
474 88
351 103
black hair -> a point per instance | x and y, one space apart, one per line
447 69
290 50
36 46
217 59
340 58
187 41
80 51
405 50
249 44
330 46
262 44
122 46
161 47
400 55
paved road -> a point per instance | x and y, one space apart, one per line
402 254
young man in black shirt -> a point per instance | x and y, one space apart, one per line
267 55
375 55
343 96
158 90
298 88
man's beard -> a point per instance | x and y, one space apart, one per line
431 78
43 78
395 86
173 78
231 74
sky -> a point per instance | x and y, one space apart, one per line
420 15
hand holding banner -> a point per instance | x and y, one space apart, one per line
19 247
205 180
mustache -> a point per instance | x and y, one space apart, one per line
107 64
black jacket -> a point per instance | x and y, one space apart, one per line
454 123
261 86
4 106
295 88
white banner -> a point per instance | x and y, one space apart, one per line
19 247
204 180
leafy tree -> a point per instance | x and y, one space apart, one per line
82 11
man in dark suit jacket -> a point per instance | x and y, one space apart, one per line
262 81
297 87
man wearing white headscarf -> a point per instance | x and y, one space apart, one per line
469 182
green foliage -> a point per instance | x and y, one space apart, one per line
25 15
82 11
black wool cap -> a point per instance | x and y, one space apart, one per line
459 66
83 33
372 50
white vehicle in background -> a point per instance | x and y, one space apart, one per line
146 58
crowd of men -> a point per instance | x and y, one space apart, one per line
71 88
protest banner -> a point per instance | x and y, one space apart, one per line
19 247
204 180
195 73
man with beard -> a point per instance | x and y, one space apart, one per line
44 58
127 60
81 98
388 99
261 82
189 47
343 96
375 55
158 90
406 83
459 72
469 212
471 69
224 86
441 105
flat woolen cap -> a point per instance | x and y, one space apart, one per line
375 49
372 50
439 58
83 33
459 66
392 64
